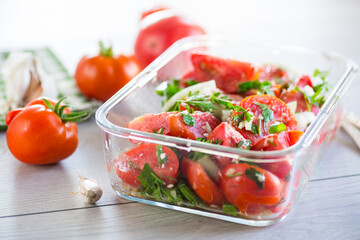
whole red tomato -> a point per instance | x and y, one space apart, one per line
102 76
43 132
159 31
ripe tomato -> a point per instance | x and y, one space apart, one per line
202 184
128 166
204 123
102 76
227 73
153 10
249 188
40 134
227 136
281 113
152 122
162 30
303 81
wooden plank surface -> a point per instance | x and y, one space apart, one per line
320 214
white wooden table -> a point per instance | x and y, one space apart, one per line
40 202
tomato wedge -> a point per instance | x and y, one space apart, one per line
226 135
204 123
203 185
247 187
128 165
227 73
152 122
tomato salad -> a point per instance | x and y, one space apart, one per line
233 104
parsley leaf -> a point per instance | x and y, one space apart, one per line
188 119
266 112
201 102
254 129
188 193
161 131
191 83
169 90
162 158
153 186
229 209
255 175
276 128
263 87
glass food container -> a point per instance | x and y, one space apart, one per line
138 97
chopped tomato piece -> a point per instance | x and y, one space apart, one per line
204 123
203 185
226 135
303 81
294 136
280 113
227 73
128 165
152 122
247 186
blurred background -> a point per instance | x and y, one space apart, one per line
73 28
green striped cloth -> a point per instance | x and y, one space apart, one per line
65 83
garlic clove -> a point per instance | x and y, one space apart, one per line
90 188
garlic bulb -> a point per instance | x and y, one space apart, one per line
90 188
24 80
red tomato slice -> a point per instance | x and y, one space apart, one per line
281 113
227 134
202 184
244 192
272 142
204 123
294 95
271 73
150 122
294 136
227 73
228 137
303 81
128 166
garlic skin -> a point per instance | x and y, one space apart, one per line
90 188
24 80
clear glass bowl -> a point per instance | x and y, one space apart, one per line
138 97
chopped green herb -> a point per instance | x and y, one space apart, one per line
321 74
276 128
244 115
188 119
263 87
254 129
169 90
255 175
161 131
189 194
191 83
234 175
153 186
244 144
201 102
229 209
272 143
194 155
162 158
266 112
